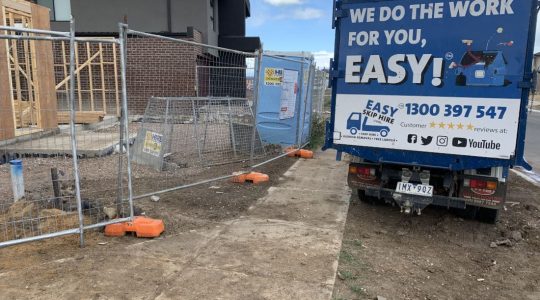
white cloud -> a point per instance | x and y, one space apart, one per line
322 59
308 14
283 2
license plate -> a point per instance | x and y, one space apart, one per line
414 189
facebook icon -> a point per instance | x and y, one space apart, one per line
412 139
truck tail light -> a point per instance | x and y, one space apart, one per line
367 171
353 170
491 185
480 184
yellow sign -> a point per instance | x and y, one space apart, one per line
273 76
152 143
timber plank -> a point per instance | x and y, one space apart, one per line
46 90
7 128
81 117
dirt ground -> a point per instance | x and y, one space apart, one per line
187 210
439 255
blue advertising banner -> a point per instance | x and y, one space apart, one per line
432 76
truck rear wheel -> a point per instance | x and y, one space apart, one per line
468 213
487 215
367 199
361 195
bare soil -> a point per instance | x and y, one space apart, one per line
200 207
440 255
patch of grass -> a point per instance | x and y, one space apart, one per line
348 275
347 257
328 99
318 131
358 290
357 243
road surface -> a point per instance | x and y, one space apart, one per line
532 142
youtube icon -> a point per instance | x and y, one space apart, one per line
459 142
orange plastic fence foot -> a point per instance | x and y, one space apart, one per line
142 226
290 152
253 177
115 230
241 178
307 154
257 178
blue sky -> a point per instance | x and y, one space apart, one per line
294 25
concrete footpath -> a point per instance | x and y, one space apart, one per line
286 247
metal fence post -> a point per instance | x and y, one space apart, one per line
196 129
231 126
309 110
300 97
257 85
73 131
123 62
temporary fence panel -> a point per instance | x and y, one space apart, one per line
56 179
191 132
193 122
284 94
320 85
194 105
306 103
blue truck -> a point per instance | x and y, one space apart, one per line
424 121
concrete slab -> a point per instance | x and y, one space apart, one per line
321 209
89 144
274 249
234 285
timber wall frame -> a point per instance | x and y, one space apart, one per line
38 70
96 78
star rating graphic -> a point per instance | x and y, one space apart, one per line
451 125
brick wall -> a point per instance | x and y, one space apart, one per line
160 68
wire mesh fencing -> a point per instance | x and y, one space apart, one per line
68 135
62 169
320 85
193 111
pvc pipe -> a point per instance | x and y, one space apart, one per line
17 179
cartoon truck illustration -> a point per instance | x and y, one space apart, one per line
482 67
355 124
